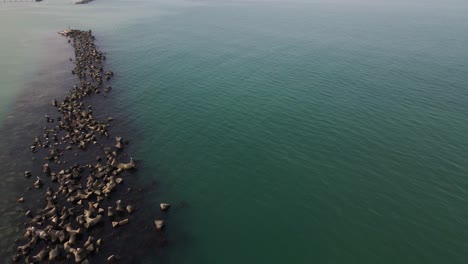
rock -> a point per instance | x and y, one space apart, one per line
27 174
40 256
130 209
21 200
164 206
90 222
127 166
159 224
113 259
80 254
54 253
123 222
118 143
45 168
118 206
38 183
110 211
70 230
89 244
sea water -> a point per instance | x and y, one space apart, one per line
280 131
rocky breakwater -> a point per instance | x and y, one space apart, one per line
82 176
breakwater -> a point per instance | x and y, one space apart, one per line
85 200
80 2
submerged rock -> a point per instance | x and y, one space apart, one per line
164 206
112 259
159 224
38 183
130 209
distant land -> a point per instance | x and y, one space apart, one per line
82 2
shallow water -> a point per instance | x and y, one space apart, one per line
280 131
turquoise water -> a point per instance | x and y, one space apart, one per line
288 132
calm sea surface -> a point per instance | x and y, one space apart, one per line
281 131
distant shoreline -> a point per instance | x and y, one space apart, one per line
81 2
